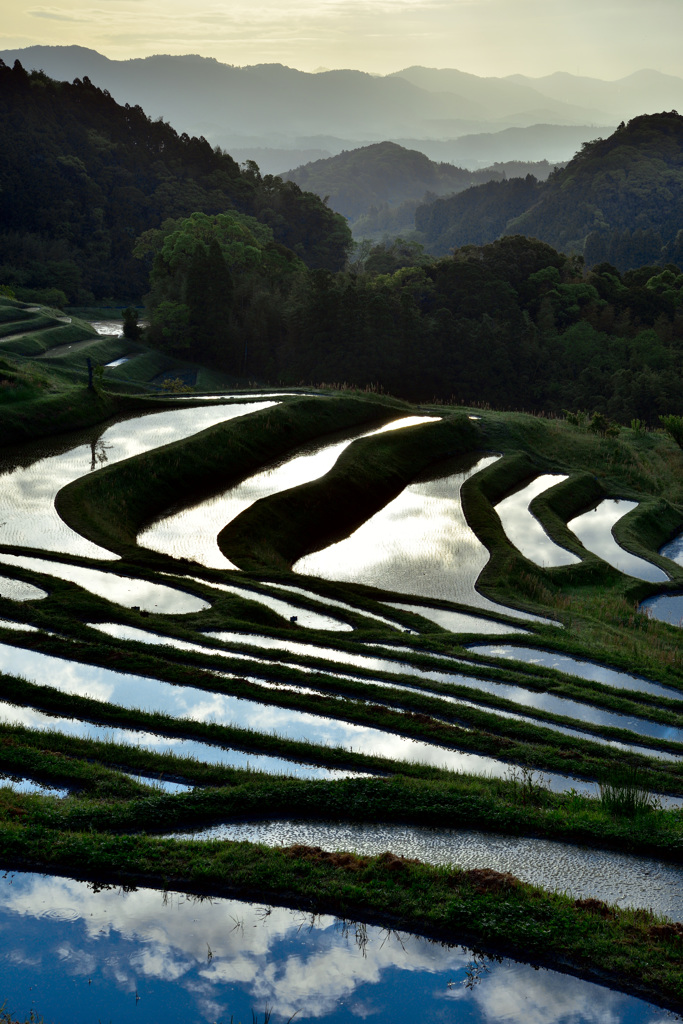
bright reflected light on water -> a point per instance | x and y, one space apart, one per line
192 533
28 491
293 612
594 530
621 878
129 593
523 529
420 543
85 954
18 590
457 622
139 692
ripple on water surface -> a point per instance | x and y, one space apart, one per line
420 543
188 959
622 878
192 533
32 475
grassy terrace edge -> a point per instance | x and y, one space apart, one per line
489 910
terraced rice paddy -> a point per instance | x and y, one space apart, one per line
255 689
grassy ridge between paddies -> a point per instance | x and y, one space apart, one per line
112 506
631 950
276 531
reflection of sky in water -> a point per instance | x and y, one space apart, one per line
207 752
22 785
333 603
665 607
517 694
17 590
594 530
304 616
204 706
674 549
524 530
457 622
83 956
152 597
420 543
27 493
577 667
620 878
192 532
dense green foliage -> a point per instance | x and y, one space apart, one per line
620 199
514 323
82 177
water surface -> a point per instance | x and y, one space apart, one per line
594 530
523 529
674 550
622 878
123 590
192 533
82 956
457 622
28 488
665 607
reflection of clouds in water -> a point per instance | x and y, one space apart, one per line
124 590
420 543
594 530
192 533
282 958
28 492
519 995
524 530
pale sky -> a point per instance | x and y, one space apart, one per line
599 38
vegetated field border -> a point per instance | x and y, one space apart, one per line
595 604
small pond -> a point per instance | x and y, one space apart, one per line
594 530
192 533
523 529
80 953
621 878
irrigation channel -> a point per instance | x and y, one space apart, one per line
376 655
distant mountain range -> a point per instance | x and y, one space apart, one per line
252 111
619 200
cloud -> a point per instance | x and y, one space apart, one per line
52 14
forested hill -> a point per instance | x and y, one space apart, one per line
620 199
360 181
81 177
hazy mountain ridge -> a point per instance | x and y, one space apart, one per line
620 199
271 106
379 187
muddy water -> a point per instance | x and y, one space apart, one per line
594 530
31 476
192 532
81 954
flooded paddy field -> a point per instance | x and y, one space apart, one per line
202 686
87 953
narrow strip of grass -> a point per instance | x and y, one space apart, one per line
493 911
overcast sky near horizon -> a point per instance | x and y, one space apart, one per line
598 38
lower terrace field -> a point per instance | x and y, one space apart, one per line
335 621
